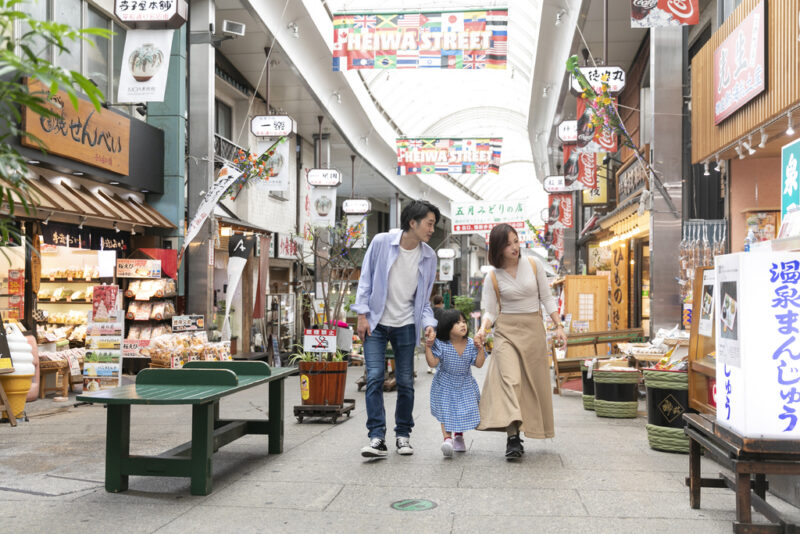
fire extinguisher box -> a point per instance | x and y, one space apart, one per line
757 307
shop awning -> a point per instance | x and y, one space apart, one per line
226 216
60 195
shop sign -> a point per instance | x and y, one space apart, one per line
286 247
188 323
599 194
448 155
560 211
132 348
790 177
324 177
138 268
319 340
356 231
272 125
145 66
65 235
97 138
619 286
558 243
356 206
446 269
151 14
446 253
276 177
557 184
631 179
740 65
590 138
485 227
594 75
661 13
580 169
430 40
568 131
323 206
482 215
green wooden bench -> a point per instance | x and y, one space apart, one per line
201 384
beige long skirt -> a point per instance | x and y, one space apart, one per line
517 386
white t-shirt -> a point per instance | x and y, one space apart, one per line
403 276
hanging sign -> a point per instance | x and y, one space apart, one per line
560 211
660 13
790 177
145 66
272 125
631 178
558 243
319 340
446 253
481 216
97 138
619 286
431 40
286 247
555 184
590 138
324 177
446 269
594 75
448 156
323 206
580 169
150 14
740 65
568 131
599 194
138 268
356 206
356 231
276 177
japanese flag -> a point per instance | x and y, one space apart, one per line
453 22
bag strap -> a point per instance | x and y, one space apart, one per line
535 277
496 290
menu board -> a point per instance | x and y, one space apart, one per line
138 268
102 365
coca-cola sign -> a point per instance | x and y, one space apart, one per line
740 65
580 169
560 211
558 243
590 138
660 13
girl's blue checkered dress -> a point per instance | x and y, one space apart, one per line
454 391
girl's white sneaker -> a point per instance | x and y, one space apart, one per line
447 448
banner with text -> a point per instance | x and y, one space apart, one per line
560 211
433 40
482 216
448 156
660 13
145 65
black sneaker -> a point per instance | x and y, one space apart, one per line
404 446
375 449
514 449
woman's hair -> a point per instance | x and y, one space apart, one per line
447 321
498 240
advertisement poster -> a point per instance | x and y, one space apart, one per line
726 295
145 65
560 211
357 231
482 215
104 303
446 269
599 194
660 13
421 40
323 206
599 259
740 65
591 139
790 177
706 303
277 165
580 168
188 323
102 367
448 155
138 268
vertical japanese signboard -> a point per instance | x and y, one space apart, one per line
790 179
599 194
619 286
740 65
590 138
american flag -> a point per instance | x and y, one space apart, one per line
364 21
475 61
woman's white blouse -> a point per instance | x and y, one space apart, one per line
520 294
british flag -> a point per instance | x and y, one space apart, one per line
475 61
483 168
415 144
364 21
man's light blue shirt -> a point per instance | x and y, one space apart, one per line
373 285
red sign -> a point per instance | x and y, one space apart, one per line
558 243
560 215
740 65
484 227
659 13
580 167
591 139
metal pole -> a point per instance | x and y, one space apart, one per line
266 78
319 142
352 175
605 32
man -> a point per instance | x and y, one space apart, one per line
392 304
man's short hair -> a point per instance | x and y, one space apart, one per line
417 210
437 299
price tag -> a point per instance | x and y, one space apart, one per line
188 323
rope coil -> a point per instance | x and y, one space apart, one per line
662 438
617 410
588 402
616 377
666 380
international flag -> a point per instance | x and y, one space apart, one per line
433 22
407 59
453 22
482 168
360 60
411 20
475 21
442 168
364 21
444 144
475 61
339 63
340 37
428 169
386 61
452 59
429 143
414 144
342 21
430 59
454 168
387 22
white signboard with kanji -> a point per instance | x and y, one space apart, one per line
483 215
272 125
319 340
594 75
151 13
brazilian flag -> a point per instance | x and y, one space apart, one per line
428 169
386 61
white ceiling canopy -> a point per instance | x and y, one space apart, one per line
465 103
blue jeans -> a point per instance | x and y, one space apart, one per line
403 343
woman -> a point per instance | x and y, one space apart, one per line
517 394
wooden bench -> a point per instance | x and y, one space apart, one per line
567 368
750 460
200 384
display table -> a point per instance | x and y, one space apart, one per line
745 457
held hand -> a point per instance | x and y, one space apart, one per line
430 334
429 342
479 338
561 336
363 327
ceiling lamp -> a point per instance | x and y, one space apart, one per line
705 169
739 150
748 145
764 138
790 129
718 168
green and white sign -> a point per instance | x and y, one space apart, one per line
790 177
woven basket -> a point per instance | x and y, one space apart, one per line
53 364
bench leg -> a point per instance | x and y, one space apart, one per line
761 485
118 445
694 474
202 447
275 445
743 488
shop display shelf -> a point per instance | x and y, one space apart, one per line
68 280
65 302
704 368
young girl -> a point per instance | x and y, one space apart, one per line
454 391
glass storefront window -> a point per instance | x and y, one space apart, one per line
223 120
97 56
118 44
69 12
39 11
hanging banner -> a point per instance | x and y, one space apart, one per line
619 286
265 243
580 169
226 176
560 211
558 243
599 194
615 77
239 249
277 176
432 40
446 269
790 179
660 13
482 216
357 231
590 138
323 206
448 156
740 65
145 66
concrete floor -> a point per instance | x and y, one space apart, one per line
597 475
